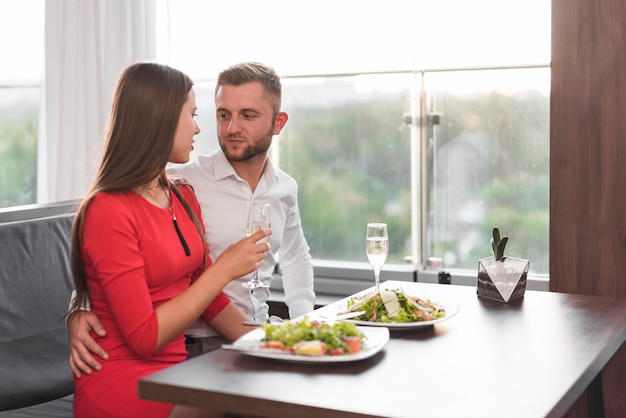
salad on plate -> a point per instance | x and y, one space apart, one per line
313 338
395 306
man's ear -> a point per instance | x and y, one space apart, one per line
280 121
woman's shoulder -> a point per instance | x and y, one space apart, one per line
116 199
113 204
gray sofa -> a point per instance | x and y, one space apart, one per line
35 288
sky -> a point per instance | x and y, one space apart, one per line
328 36
21 40
338 36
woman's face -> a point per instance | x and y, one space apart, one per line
185 131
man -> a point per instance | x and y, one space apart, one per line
227 182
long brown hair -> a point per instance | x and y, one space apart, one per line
147 103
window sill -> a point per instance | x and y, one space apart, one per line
335 280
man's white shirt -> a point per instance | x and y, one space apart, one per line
225 199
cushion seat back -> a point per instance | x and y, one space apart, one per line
35 288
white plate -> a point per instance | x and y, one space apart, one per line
375 340
451 310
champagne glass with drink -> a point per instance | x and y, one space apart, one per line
258 218
377 247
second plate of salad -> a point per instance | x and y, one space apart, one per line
396 309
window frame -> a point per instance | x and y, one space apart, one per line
330 276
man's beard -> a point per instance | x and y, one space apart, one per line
261 146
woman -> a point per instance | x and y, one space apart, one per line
138 246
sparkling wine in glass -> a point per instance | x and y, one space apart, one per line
377 247
258 218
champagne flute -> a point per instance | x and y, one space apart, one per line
258 218
377 247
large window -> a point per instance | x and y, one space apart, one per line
431 116
485 160
21 49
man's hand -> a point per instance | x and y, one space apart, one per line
82 344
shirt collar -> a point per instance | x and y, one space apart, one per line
224 169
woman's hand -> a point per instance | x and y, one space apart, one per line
246 255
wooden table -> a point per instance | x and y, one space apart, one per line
528 358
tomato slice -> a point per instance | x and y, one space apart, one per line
274 344
336 352
354 344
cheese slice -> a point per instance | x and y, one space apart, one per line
390 300
310 348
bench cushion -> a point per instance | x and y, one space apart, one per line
35 288
58 408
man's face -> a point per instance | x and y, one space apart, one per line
245 121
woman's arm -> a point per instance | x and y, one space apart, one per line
118 244
229 322
177 314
